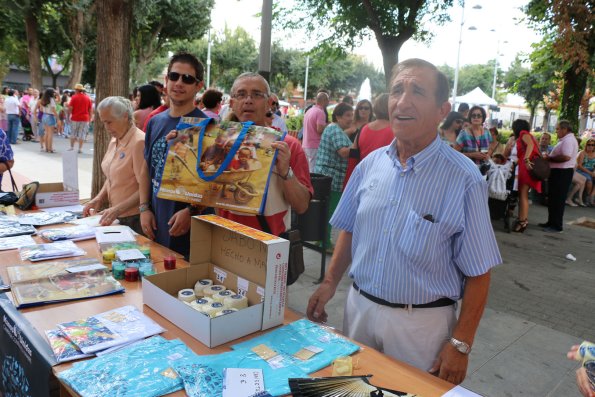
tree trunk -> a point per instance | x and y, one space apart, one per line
390 47
572 94
34 53
76 26
532 116
114 21
546 119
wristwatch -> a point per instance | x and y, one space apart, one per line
289 175
461 346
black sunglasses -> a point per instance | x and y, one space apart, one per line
275 103
590 144
364 108
186 78
477 116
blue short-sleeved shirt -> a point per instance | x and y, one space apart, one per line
155 154
417 230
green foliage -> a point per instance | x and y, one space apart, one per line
159 22
344 24
295 123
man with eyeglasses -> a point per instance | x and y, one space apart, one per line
416 236
166 221
278 121
290 186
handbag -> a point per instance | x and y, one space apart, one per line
23 198
541 169
295 263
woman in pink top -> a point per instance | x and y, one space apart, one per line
123 165
373 135
148 100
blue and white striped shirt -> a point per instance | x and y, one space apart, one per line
398 254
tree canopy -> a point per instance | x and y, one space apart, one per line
344 24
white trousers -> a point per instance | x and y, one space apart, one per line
415 337
311 155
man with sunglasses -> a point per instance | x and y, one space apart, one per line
290 186
166 221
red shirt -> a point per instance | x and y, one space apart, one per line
160 109
277 211
81 107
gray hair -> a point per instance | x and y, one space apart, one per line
118 106
250 75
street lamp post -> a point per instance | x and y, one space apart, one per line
456 82
306 82
209 60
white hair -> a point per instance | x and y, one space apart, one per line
118 106
250 75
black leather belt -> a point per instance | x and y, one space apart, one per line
437 303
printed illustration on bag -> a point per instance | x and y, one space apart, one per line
225 165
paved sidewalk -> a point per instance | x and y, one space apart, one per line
540 303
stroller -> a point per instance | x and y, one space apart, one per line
27 130
503 198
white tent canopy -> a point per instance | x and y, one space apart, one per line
477 97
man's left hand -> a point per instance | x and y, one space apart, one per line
283 157
451 365
179 224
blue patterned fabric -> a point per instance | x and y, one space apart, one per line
203 375
292 338
6 153
419 229
328 161
141 369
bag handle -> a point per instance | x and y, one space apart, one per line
15 189
238 142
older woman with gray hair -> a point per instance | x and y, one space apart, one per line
123 165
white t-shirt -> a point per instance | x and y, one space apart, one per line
12 105
48 108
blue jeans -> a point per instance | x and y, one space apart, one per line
13 127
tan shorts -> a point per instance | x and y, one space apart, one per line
79 129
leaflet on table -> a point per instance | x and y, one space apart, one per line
44 270
108 329
60 284
74 233
222 165
44 218
92 221
40 252
141 369
63 348
14 228
10 243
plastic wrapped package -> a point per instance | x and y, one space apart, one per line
14 242
144 368
304 344
203 375
63 348
44 218
74 233
40 252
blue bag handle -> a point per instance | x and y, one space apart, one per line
228 159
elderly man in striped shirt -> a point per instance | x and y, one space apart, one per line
415 227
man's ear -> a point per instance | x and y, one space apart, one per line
445 109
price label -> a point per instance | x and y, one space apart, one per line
220 274
243 286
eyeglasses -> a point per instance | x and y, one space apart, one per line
477 116
590 144
186 78
459 121
364 108
256 95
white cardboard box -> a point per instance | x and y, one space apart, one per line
61 194
108 236
236 256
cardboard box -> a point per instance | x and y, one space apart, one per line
65 193
108 236
237 256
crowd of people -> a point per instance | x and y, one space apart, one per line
388 160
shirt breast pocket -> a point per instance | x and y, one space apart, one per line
422 242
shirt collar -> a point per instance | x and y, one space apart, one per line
418 160
127 136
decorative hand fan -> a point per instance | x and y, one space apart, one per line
341 386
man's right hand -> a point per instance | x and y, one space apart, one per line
318 301
148 224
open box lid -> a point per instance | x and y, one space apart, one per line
230 245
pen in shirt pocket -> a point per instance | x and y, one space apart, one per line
429 217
